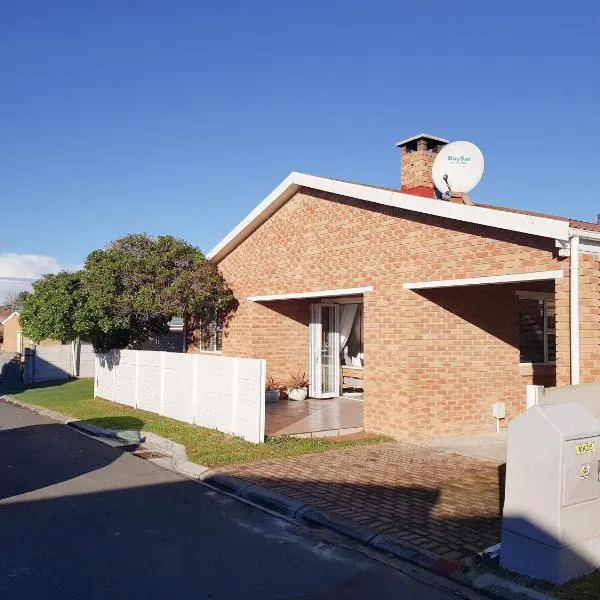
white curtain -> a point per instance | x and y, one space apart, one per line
347 316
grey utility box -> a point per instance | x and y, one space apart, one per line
551 521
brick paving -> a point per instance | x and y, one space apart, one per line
445 503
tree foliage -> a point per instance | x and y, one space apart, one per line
127 293
50 311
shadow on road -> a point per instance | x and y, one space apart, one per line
37 456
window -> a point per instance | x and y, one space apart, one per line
211 336
537 328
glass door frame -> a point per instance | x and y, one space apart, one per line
316 350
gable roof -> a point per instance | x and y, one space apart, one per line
12 314
493 216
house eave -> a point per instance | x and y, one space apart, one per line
557 229
12 314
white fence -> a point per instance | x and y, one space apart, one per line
219 392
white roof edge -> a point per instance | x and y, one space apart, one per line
422 135
311 294
12 314
485 280
511 221
584 233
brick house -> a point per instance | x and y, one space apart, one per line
436 309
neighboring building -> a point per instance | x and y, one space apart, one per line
3 315
458 305
173 341
14 341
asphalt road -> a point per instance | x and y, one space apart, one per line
79 519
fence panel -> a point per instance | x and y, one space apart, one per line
10 369
220 392
50 363
86 358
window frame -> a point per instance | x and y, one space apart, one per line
217 336
544 298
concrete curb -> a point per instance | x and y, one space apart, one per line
504 588
489 583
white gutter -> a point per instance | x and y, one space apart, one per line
574 306
311 294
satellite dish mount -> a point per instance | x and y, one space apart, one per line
457 169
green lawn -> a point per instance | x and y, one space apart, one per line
204 446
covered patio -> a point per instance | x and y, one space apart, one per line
479 342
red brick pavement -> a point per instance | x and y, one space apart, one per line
445 503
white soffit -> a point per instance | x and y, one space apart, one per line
312 294
529 224
510 278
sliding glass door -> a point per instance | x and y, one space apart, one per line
324 351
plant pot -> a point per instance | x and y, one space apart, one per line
271 396
297 393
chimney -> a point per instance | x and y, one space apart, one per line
417 156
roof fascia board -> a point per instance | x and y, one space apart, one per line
12 314
589 241
283 192
528 224
311 294
485 280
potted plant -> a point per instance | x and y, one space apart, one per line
272 390
298 386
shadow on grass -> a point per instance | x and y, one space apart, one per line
124 422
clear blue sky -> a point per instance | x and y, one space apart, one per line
180 116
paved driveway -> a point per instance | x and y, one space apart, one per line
487 446
438 501
81 520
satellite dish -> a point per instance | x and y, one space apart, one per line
458 167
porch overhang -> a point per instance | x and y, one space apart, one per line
312 294
486 280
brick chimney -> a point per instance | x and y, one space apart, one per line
417 156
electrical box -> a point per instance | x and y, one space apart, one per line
551 519
499 410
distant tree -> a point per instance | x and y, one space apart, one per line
129 292
13 301
51 310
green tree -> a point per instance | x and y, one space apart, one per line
129 292
51 310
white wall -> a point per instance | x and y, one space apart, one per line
220 392
87 362
51 362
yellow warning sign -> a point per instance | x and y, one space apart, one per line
585 448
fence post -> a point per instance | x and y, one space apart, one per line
114 372
136 389
96 363
262 407
194 389
534 395
161 402
234 392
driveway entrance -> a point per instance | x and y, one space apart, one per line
446 503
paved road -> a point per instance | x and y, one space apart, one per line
79 519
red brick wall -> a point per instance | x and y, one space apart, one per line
435 361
